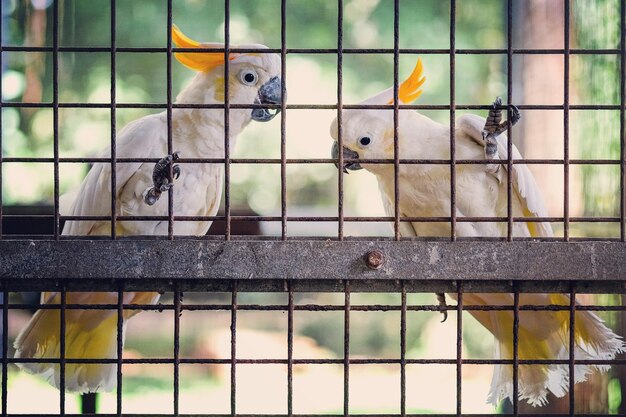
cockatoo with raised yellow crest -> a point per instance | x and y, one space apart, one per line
481 191
254 78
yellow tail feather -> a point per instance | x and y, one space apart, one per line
41 340
543 335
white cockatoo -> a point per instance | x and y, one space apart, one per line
481 191
254 78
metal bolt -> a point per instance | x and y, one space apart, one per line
374 259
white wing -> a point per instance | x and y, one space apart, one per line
523 181
143 138
406 228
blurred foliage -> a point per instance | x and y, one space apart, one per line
597 81
141 78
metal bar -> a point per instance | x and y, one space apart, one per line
283 117
55 114
622 116
566 104
1 131
340 107
318 307
178 296
312 415
509 140
365 219
170 139
516 360
5 349
233 349
227 206
120 348
615 107
290 360
396 141
466 260
374 361
317 161
322 51
572 349
212 238
62 353
113 121
346 348
459 349
403 309
452 122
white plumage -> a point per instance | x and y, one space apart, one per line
196 133
480 192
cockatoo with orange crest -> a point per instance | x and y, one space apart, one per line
253 78
481 191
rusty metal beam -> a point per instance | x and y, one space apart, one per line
599 264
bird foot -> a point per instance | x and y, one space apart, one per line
494 127
443 306
161 178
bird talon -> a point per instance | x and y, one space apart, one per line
151 195
161 177
443 306
515 115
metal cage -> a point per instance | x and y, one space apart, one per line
234 264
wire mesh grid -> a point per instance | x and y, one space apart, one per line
284 218
348 361
610 270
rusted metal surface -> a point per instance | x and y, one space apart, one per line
375 259
322 260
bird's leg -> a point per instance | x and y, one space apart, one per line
443 306
494 127
161 178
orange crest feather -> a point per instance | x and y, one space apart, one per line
410 90
198 61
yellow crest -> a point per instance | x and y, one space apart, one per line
199 61
410 90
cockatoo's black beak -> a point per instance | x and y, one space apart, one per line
269 93
347 154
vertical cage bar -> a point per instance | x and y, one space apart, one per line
170 191
178 296
120 347
403 352
62 342
290 310
346 349
5 348
452 120
233 350
566 76
622 127
113 120
459 349
339 118
1 109
572 348
509 142
396 145
515 399
227 119
55 114
283 118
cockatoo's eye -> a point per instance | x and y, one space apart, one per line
365 141
248 77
